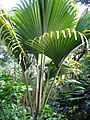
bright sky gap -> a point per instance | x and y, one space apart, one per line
8 4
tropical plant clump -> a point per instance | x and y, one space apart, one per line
40 34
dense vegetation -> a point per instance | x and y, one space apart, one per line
44 62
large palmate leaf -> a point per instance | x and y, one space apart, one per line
57 45
34 17
8 36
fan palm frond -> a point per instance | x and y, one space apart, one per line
34 18
57 45
8 35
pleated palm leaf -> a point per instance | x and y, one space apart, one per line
8 36
35 17
57 45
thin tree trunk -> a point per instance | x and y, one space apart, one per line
29 97
39 86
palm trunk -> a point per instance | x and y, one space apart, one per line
41 69
39 86
27 89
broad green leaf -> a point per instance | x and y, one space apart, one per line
57 45
36 17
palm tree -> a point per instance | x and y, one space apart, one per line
41 27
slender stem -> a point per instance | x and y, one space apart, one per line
49 93
44 93
29 97
39 85
47 77
52 85
14 70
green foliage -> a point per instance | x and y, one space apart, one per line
49 114
13 112
9 37
33 19
57 45
43 27
72 101
85 65
11 93
73 95
10 90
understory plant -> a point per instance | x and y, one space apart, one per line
48 30
73 94
11 93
